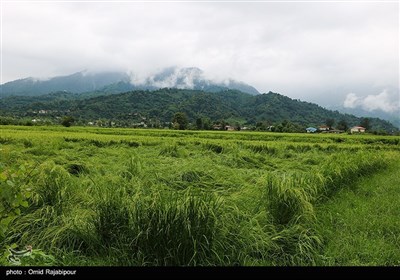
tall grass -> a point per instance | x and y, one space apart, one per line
155 227
144 198
287 199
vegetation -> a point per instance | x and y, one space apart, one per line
360 224
98 196
330 123
157 108
180 121
342 125
67 121
365 122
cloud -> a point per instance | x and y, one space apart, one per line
313 51
351 101
385 101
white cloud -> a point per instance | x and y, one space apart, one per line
351 101
381 101
385 101
312 51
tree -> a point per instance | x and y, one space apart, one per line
237 126
207 124
278 128
67 121
199 123
342 125
330 123
365 122
261 126
180 121
223 124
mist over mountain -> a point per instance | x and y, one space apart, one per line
384 104
77 83
117 82
393 117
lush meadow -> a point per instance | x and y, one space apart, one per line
96 196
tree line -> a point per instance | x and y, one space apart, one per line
203 110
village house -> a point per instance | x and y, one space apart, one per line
357 129
323 128
311 129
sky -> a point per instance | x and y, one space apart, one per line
331 53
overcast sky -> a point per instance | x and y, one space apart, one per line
330 53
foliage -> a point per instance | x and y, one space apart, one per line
330 122
30 257
13 194
180 121
365 122
67 121
157 108
107 196
360 225
342 125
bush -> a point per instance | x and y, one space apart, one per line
67 121
14 195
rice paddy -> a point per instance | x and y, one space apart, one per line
131 197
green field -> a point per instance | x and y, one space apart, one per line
97 196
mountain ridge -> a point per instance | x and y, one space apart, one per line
118 82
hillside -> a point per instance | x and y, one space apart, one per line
161 105
76 83
119 82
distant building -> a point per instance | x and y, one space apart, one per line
323 128
357 129
229 128
311 129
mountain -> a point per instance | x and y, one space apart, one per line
193 78
76 83
128 108
118 82
393 117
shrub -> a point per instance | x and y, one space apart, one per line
14 195
67 121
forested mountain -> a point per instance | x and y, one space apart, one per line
118 82
161 105
76 83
